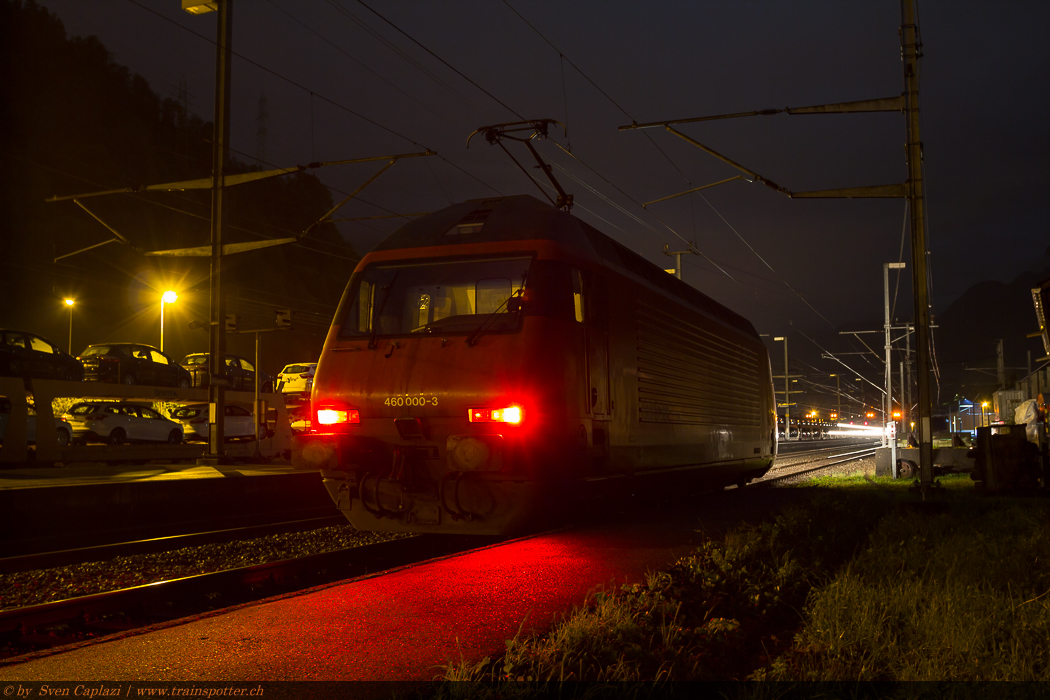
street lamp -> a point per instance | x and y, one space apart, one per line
217 304
169 297
887 401
838 395
787 390
860 396
69 303
984 408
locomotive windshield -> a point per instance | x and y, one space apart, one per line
442 297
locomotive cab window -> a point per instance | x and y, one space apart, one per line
436 297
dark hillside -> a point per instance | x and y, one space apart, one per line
74 121
971 327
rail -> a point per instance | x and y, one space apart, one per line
847 457
66 557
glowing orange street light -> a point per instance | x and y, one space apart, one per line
169 297
69 303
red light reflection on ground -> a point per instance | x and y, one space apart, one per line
398 626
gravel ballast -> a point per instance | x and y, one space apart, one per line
40 586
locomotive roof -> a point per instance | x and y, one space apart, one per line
524 217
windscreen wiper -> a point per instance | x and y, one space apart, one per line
379 311
472 339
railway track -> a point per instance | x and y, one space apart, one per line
812 461
151 545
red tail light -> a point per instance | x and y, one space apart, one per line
337 415
512 415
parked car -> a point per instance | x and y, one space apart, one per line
296 378
23 354
132 363
239 421
299 417
64 429
240 373
119 422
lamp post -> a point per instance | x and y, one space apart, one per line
787 390
838 395
69 303
887 403
860 396
984 413
217 304
169 297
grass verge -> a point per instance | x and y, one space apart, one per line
863 582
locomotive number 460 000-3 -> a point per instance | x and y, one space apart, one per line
410 401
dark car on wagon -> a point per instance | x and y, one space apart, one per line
132 363
24 354
240 373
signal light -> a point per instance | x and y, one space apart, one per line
337 416
512 415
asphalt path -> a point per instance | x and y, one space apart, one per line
404 624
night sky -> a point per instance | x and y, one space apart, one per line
340 82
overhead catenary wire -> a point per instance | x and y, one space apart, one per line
632 199
443 61
399 52
408 59
831 356
516 113
675 166
348 55
285 78
832 390
327 99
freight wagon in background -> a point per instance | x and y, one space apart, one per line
495 361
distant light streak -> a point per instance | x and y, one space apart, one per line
848 430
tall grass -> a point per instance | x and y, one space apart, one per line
700 620
963 595
863 583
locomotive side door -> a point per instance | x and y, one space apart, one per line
598 372
589 295
594 307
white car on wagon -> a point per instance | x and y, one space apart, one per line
296 378
239 421
121 422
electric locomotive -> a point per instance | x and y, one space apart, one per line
493 362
